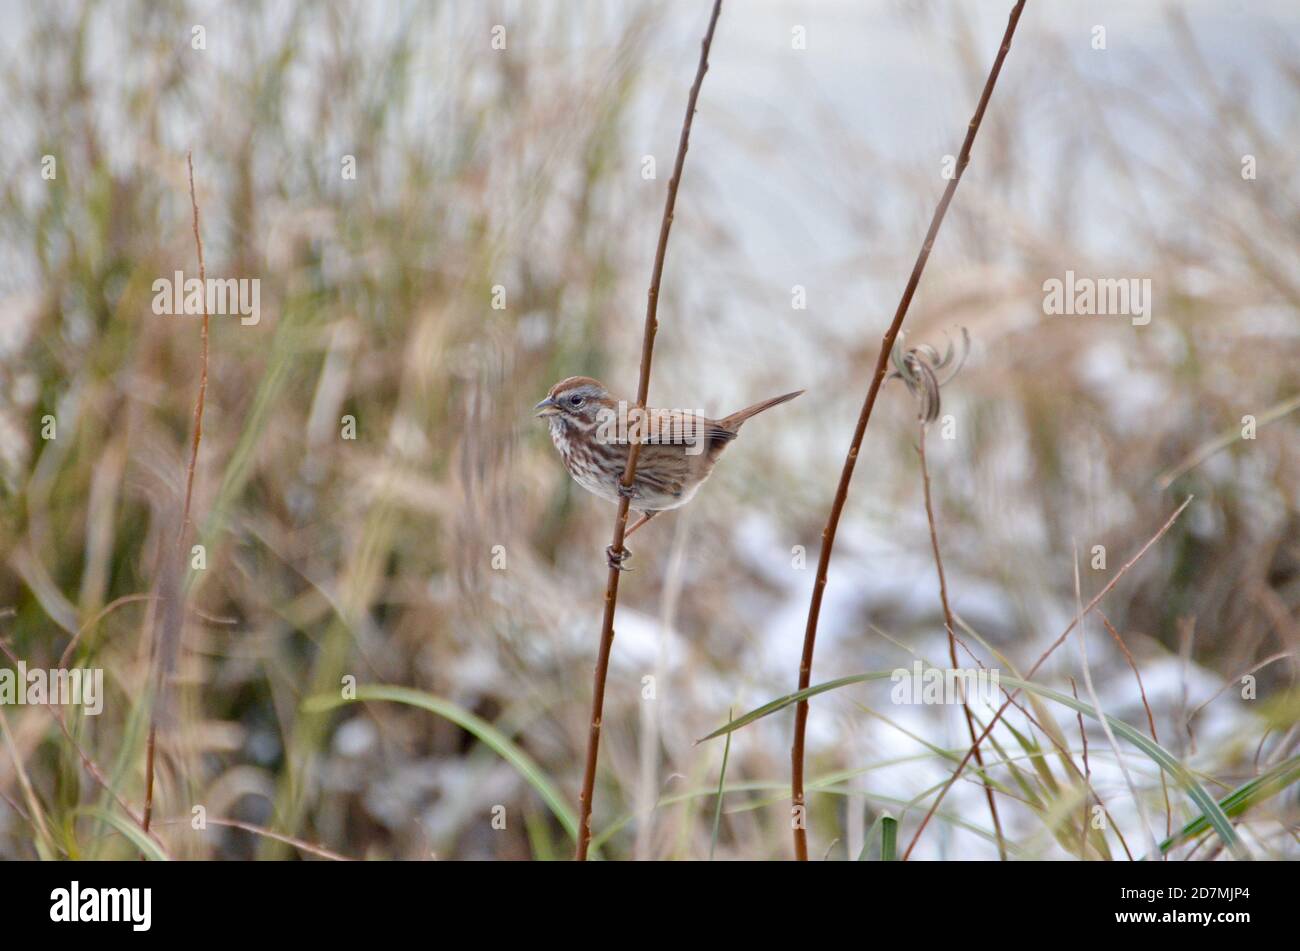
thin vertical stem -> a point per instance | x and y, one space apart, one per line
629 471
1042 659
949 626
798 813
152 742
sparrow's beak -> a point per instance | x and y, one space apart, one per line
547 407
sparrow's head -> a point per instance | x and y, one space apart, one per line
577 400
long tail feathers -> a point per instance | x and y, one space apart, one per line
733 421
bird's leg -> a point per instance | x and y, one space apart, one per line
645 517
626 491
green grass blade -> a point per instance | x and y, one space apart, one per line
780 703
1162 757
1258 790
484 731
539 836
1037 760
1166 760
888 839
888 827
870 837
722 779
147 846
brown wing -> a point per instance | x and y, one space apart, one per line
683 428
662 470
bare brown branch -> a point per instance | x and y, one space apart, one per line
629 472
850 461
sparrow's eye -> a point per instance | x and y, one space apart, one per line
575 401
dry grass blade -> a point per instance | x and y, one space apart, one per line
629 473
265 833
799 822
89 764
152 742
45 844
203 364
1039 663
1211 810
1146 705
1223 441
1086 667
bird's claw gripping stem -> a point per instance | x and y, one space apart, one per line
616 559
626 491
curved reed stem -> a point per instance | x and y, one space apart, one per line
798 813
629 472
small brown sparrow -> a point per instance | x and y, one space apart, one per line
679 448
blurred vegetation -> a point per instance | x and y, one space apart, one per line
373 559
